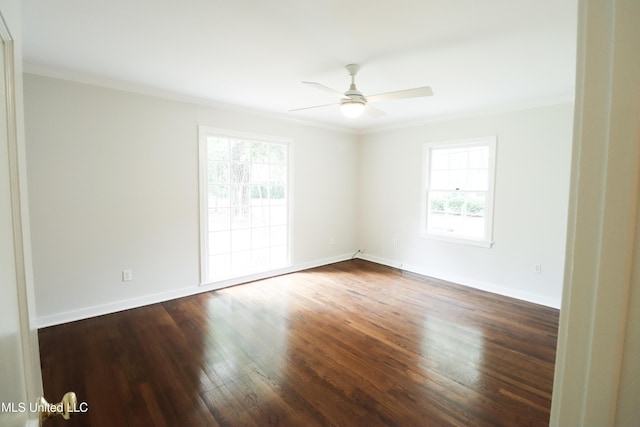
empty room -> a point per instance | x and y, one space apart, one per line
320 213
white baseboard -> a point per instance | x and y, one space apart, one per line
286 270
466 281
116 306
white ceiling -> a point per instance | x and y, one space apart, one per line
254 54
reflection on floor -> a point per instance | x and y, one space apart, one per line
352 343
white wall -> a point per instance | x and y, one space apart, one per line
531 200
113 180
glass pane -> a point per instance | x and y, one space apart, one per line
219 219
240 217
440 180
240 195
479 157
437 201
240 240
476 204
439 159
437 221
455 201
260 259
277 194
218 172
259 195
278 235
454 223
217 148
219 242
260 237
240 150
240 173
477 179
278 153
219 196
220 266
259 152
241 263
259 216
278 215
259 173
279 256
278 174
457 179
458 158
473 227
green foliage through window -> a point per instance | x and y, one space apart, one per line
246 204
459 188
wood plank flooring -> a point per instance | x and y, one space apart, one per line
350 344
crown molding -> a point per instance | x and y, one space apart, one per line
94 80
477 113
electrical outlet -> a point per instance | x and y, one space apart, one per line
127 275
537 268
332 241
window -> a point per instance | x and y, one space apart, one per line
244 201
459 190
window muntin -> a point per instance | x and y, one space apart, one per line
244 204
459 190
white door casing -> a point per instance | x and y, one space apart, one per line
21 381
596 373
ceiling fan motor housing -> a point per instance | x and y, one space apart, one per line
354 95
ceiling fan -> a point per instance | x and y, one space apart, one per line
353 103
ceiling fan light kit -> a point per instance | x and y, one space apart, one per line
353 103
352 109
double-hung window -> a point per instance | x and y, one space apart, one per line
244 204
459 177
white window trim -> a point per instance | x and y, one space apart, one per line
203 132
491 141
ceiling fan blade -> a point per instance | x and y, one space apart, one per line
325 89
315 106
374 112
401 94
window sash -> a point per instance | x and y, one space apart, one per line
458 197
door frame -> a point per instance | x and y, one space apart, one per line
595 356
28 335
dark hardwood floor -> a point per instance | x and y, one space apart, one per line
352 344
